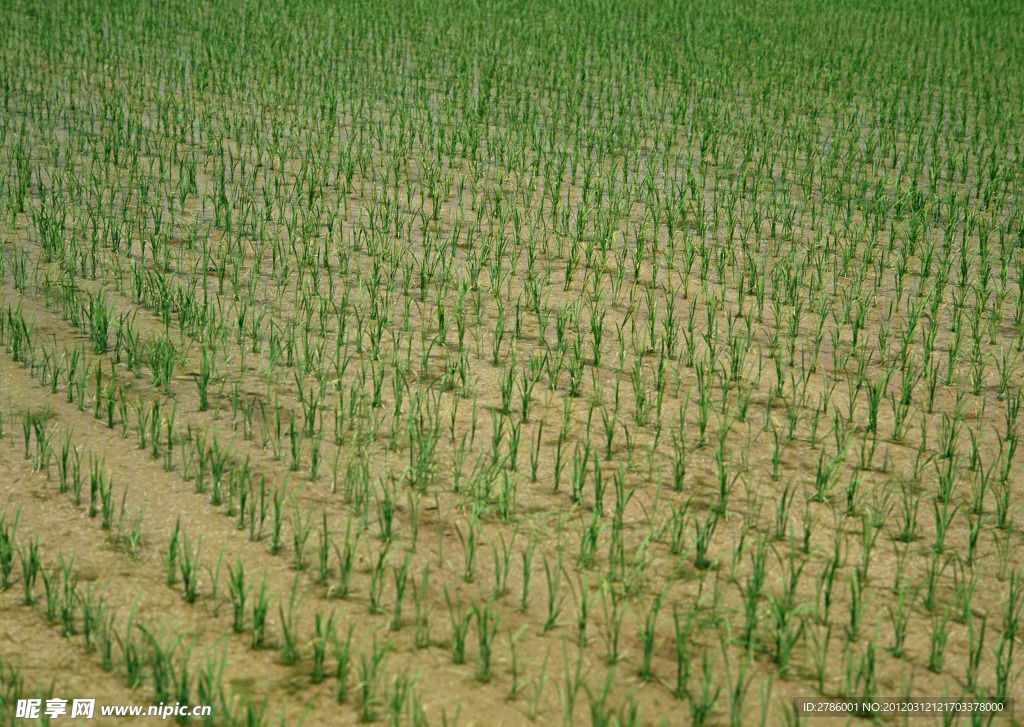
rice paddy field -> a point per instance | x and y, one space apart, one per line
510 363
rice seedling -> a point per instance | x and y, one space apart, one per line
702 700
323 633
188 567
487 622
460 623
371 666
343 664
260 606
30 569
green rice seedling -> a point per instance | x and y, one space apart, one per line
791 715
726 481
527 380
91 608
295 438
107 502
421 602
601 713
377 580
277 519
323 551
577 363
943 518
789 625
43 440
8 532
160 656
931 583
819 655
182 680
947 474
105 637
257 512
648 631
870 528
162 358
65 456
900 618
343 663
616 546
976 640
908 514
239 593
323 632
208 681
502 563
386 507
512 458
460 622
97 482
858 605
975 526
246 711
527 558
497 436
400 694
573 682
51 592
260 606
558 464
314 456
487 622
371 667
939 639
630 713
579 472
1013 608
346 560
1004 667
677 528
155 424
535 452
30 569
131 650
682 651
300 536
1001 490
188 567
69 596
506 383
861 677
469 545
783 510
81 382
737 689
703 699
980 488
27 421
555 598
583 604
401 575
517 683
825 475
1013 605
533 710
703 532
